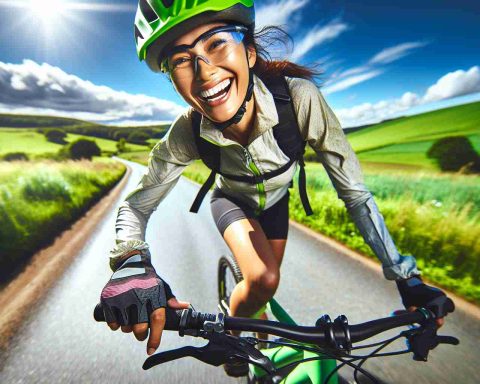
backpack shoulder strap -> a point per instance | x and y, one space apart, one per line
287 132
210 155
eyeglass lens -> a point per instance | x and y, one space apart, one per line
213 49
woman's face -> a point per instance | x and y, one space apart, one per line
234 69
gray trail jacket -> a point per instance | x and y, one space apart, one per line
318 126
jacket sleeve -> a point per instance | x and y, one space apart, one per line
321 129
166 163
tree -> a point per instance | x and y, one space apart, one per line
453 153
121 145
55 135
138 138
83 149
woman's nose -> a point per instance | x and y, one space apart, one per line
203 69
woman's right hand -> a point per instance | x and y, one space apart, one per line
156 325
134 299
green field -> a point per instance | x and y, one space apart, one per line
34 143
405 141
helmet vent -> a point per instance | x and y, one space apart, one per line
138 34
167 3
147 11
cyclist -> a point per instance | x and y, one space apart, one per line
215 61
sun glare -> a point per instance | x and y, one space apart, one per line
46 11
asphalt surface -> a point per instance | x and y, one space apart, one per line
61 343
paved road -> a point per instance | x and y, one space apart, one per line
60 343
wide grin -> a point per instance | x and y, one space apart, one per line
217 92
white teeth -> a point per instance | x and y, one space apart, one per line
219 87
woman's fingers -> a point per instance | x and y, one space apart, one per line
157 323
176 304
113 326
140 331
440 321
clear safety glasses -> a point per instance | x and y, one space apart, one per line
213 47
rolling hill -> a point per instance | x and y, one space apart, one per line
406 140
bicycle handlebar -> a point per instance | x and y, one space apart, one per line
337 336
330 334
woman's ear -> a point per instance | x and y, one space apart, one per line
252 56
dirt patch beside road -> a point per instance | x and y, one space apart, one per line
17 298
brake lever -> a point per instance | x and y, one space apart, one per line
422 340
220 349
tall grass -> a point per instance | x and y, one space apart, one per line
39 200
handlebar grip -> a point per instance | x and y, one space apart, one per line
172 317
98 313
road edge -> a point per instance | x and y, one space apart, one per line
26 289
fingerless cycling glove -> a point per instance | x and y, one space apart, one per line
415 293
134 291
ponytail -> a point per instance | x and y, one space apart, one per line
265 67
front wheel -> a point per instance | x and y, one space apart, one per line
229 275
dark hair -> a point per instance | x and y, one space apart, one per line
266 67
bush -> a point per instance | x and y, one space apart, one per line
55 135
83 149
15 156
121 145
453 153
138 138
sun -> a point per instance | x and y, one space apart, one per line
46 11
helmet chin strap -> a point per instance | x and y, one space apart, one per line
243 108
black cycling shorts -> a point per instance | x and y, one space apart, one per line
226 210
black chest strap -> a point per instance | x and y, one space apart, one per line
286 133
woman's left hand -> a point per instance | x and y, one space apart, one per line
415 293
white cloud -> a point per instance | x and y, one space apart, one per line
391 54
368 71
367 113
44 89
453 84
351 81
318 35
277 13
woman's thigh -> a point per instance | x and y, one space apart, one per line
252 250
258 243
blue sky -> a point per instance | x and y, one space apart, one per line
77 58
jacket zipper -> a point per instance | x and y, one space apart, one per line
260 185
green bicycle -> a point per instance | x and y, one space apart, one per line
300 354
282 356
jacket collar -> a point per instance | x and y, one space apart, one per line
266 117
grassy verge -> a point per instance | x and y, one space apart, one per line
38 200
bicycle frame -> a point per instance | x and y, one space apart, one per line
312 372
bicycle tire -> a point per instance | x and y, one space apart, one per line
228 272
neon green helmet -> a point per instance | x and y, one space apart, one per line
159 22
